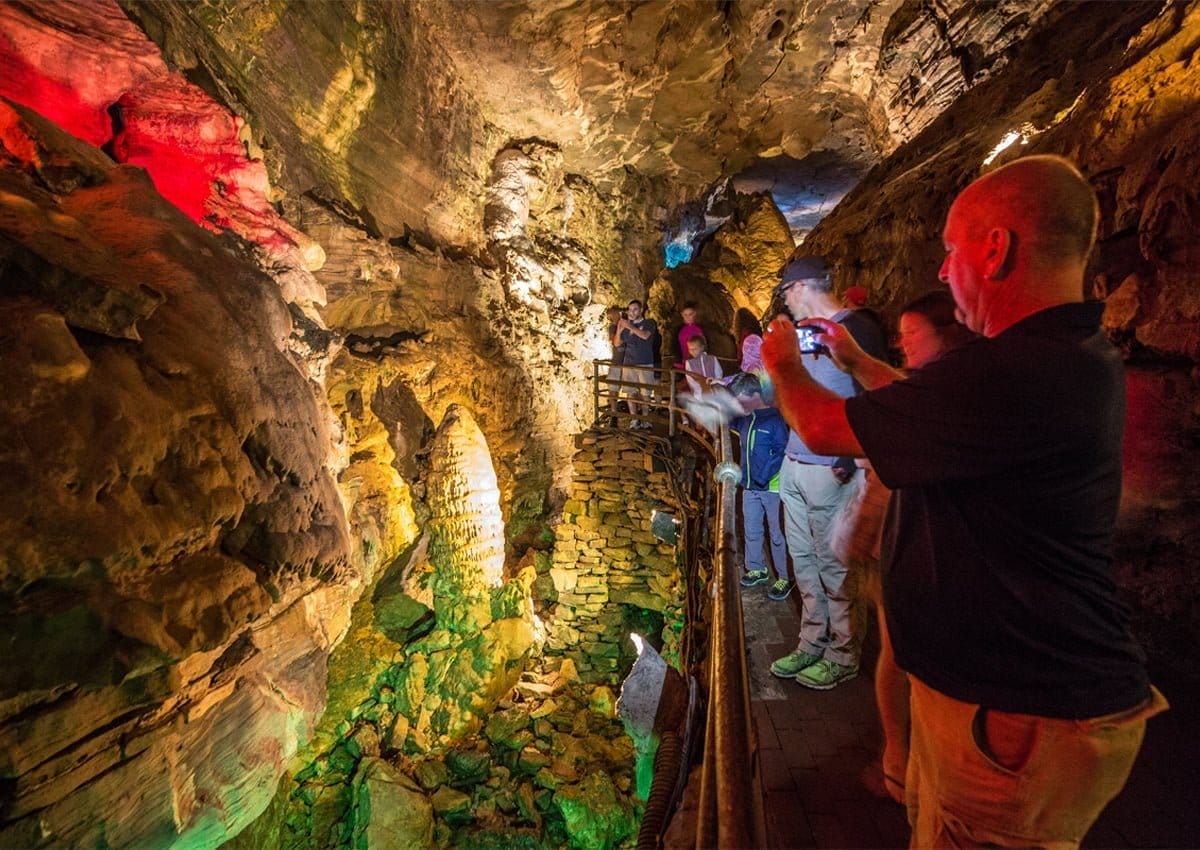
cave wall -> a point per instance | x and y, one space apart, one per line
212 638
175 567
736 267
396 110
377 112
1115 88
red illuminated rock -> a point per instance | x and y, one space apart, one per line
71 61
82 64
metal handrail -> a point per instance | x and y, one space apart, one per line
730 801
730 794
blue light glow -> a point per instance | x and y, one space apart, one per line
677 253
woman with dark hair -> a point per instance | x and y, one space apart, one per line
928 328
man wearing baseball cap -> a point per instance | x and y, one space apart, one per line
814 488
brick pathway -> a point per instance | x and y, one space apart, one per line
814 745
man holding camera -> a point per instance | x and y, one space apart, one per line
814 489
1029 696
637 333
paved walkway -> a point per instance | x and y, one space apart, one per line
814 745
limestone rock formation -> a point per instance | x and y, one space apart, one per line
735 268
886 235
89 69
400 108
594 814
467 547
219 451
390 810
175 568
932 53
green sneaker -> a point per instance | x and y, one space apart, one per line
755 577
792 663
825 674
780 590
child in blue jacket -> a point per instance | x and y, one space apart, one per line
762 435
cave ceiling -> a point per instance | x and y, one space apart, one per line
396 110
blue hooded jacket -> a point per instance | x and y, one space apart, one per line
763 436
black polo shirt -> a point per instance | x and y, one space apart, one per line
638 351
1005 455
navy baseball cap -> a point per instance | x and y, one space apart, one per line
810 267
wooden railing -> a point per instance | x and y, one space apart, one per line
665 412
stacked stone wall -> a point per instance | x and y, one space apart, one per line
607 558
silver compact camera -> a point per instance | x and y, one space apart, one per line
806 335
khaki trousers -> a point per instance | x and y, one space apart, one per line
984 778
812 499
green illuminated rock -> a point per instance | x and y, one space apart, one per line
595 815
402 618
499 840
532 760
508 729
432 773
467 767
454 807
389 811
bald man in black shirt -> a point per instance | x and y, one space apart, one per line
1029 695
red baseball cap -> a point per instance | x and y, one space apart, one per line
856 296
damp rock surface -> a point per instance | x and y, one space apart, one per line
176 566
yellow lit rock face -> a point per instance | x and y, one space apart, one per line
467 546
1148 185
377 496
452 677
736 268
399 108
749 252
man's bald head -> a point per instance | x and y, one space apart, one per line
1017 241
1045 201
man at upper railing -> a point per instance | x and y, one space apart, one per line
637 332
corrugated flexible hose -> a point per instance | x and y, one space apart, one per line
667 762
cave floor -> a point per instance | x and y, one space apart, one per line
814 746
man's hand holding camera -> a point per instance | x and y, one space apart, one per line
824 417
785 342
830 338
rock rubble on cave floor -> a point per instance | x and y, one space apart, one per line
552 767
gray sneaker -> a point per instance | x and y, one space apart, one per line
825 674
792 663
781 589
755 577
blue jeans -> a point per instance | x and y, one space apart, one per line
758 505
